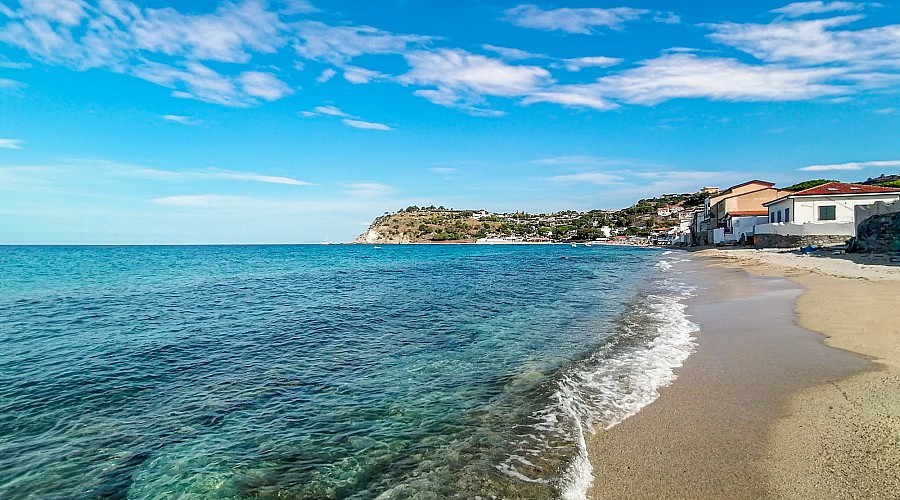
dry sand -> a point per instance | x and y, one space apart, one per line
764 409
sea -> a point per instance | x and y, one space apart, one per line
327 371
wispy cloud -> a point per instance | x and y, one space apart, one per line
10 84
588 178
11 143
677 75
578 63
263 85
583 21
347 119
587 160
800 9
462 79
124 38
184 120
198 81
444 170
215 174
357 75
200 200
329 110
362 124
326 75
340 44
814 42
368 189
851 166
511 54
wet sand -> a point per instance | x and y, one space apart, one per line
755 412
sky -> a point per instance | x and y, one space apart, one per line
252 121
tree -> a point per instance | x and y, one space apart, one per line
800 186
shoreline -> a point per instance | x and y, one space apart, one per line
764 408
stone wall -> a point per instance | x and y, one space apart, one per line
879 233
797 241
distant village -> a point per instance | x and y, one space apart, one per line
818 213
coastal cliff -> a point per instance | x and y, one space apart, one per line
428 225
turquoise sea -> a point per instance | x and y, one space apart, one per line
320 372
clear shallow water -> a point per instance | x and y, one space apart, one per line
324 371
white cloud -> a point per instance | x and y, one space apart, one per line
200 200
11 143
340 44
851 166
263 85
293 7
462 79
195 81
184 120
577 63
444 170
65 12
326 75
512 54
368 189
210 174
361 124
357 75
588 178
579 96
347 119
9 84
583 21
329 110
587 160
230 34
667 18
124 38
814 42
799 9
674 76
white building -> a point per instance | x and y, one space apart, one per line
826 210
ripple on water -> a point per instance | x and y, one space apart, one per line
319 372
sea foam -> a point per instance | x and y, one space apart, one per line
620 378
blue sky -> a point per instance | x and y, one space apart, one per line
293 121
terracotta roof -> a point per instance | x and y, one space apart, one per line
837 188
842 188
742 213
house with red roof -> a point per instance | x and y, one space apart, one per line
819 215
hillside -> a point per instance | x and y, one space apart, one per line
438 224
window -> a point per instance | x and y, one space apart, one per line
772 217
779 215
827 212
787 214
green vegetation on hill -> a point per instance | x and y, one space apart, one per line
800 186
437 224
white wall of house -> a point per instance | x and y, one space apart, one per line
805 209
744 226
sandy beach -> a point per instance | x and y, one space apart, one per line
794 391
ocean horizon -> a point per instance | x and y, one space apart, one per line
326 371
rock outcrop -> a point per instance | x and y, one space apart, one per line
879 233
